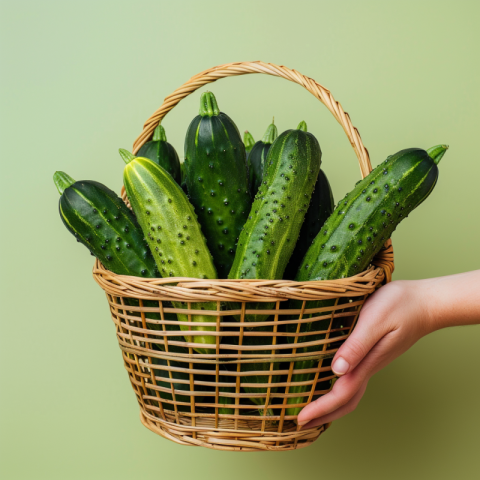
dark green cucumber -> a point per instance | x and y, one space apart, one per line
217 180
248 141
259 367
369 214
259 378
162 153
99 219
112 234
271 231
227 402
163 379
183 182
172 231
321 207
257 156
358 229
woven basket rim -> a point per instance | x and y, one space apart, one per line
245 290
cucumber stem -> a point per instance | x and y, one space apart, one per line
159 134
302 126
208 105
248 140
62 181
271 134
437 152
127 157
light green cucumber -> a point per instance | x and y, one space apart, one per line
173 234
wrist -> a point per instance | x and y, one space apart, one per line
422 296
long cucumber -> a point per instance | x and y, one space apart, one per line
216 179
321 207
173 233
271 231
98 218
357 230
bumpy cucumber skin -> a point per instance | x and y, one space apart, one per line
357 230
100 220
321 207
271 231
368 215
173 234
162 153
217 184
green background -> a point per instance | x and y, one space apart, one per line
79 79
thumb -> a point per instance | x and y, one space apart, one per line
369 330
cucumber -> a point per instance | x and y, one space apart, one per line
173 233
183 182
271 231
257 156
254 367
99 219
227 402
161 152
217 180
248 141
321 207
358 229
162 379
365 219
259 367
125 252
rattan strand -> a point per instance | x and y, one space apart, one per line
190 414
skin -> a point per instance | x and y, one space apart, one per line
391 321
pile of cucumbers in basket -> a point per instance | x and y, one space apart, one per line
241 209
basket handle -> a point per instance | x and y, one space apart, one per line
242 68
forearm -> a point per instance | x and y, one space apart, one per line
451 301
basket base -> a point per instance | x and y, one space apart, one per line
229 439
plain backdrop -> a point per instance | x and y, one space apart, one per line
78 79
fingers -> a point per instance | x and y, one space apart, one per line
349 407
370 328
347 387
343 391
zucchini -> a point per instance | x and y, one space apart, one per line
217 180
162 153
321 207
271 231
173 233
356 231
257 156
248 141
100 220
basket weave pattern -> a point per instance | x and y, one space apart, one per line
179 390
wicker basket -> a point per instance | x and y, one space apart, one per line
149 336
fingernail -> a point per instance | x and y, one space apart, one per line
341 366
301 424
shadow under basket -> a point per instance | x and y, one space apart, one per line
227 382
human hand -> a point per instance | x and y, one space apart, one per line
391 321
